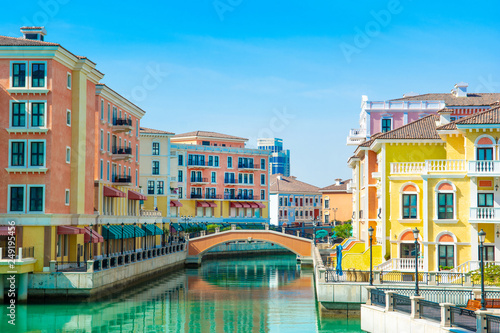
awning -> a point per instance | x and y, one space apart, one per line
152 230
113 192
175 203
133 195
69 230
96 238
212 204
129 229
245 205
113 232
236 205
4 231
253 205
260 205
202 204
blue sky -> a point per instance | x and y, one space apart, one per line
293 69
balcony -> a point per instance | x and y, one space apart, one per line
122 180
122 125
484 215
206 196
121 153
246 166
484 168
356 137
201 165
428 167
199 180
401 264
230 181
241 197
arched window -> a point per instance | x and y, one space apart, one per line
407 244
446 201
485 148
409 201
446 250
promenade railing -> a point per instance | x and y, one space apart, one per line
430 310
463 318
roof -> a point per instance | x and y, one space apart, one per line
472 99
424 128
335 187
290 184
209 135
14 41
486 117
145 130
368 143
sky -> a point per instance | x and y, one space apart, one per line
295 70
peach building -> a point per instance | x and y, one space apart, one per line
337 201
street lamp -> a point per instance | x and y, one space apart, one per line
315 222
90 242
163 235
415 235
370 232
482 237
335 215
134 236
145 235
108 239
154 237
123 226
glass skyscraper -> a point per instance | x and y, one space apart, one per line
279 160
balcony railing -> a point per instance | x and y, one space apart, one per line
245 165
485 214
150 213
120 150
429 166
206 196
484 167
199 180
401 264
241 197
122 179
122 122
230 181
202 164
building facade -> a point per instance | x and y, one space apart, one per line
293 201
218 179
337 201
279 159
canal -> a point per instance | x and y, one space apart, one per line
255 294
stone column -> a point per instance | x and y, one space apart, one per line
476 293
369 300
376 277
202 233
22 288
445 314
233 226
389 302
53 265
432 279
415 306
90 266
481 321
298 233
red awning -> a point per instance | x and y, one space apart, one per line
68 230
4 231
245 205
175 203
113 192
133 195
202 204
212 204
260 205
236 205
253 205
96 238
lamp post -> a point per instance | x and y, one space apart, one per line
163 235
123 226
370 232
154 237
90 242
315 222
415 235
108 240
134 236
145 235
335 216
482 237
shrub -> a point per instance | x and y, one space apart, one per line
343 230
491 275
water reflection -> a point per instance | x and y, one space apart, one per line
250 295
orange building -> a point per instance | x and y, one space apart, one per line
337 201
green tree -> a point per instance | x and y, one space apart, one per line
343 230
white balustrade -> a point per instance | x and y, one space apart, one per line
407 168
429 166
401 264
485 214
484 167
472 265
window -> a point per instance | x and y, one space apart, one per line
37 153
37 114
107 142
68 155
151 187
180 160
137 128
196 159
19 75
156 148
107 171
262 179
36 199
205 143
109 113
216 161
263 163
262 195
409 206
327 203
210 160
68 117
136 177
485 200
16 199
484 154
160 187
281 201
17 153
68 81
489 253
214 177
407 250
180 192
386 125
102 169
102 140
445 206
38 75
229 162
179 176
18 115
102 109
250 178
446 255
156 168
66 197
327 218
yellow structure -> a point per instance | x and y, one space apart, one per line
438 176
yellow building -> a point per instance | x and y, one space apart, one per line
438 176
337 201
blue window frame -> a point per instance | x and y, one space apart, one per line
37 75
19 75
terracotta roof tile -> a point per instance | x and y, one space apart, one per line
209 135
424 128
335 187
290 184
487 117
472 99
14 41
145 130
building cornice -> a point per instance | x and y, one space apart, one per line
121 102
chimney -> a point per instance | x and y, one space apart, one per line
461 89
35 33
444 116
337 181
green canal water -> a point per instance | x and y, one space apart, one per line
254 294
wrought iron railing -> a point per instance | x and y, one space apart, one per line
378 297
430 310
492 323
403 277
458 297
122 150
463 318
401 303
122 122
